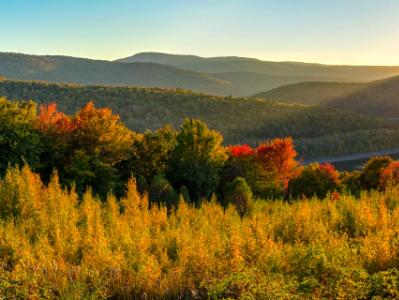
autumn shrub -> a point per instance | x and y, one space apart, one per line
57 245
351 182
384 284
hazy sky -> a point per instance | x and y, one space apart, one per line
329 31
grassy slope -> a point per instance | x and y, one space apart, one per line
240 120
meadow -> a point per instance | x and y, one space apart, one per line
54 244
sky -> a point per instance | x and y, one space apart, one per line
358 32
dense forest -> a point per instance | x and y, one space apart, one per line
92 210
240 120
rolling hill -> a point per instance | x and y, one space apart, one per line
240 120
221 76
244 64
63 69
379 98
312 92
244 83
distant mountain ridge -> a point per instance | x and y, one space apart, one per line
221 76
64 69
244 64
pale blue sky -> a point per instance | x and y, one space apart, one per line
329 31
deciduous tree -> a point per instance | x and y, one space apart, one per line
19 141
197 159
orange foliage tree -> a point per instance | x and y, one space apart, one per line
84 148
278 158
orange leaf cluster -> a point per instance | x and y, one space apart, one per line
390 174
331 172
50 119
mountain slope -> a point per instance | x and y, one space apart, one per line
311 92
240 120
246 83
243 64
87 71
379 98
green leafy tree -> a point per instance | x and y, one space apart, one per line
239 194
150 153
89 171
197 159
161 191
19 140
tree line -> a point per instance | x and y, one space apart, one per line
317 130
94 149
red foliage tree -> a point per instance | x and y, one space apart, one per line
390 175
241 163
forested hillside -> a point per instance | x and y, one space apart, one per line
379 98
311 92
248 83
240 120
